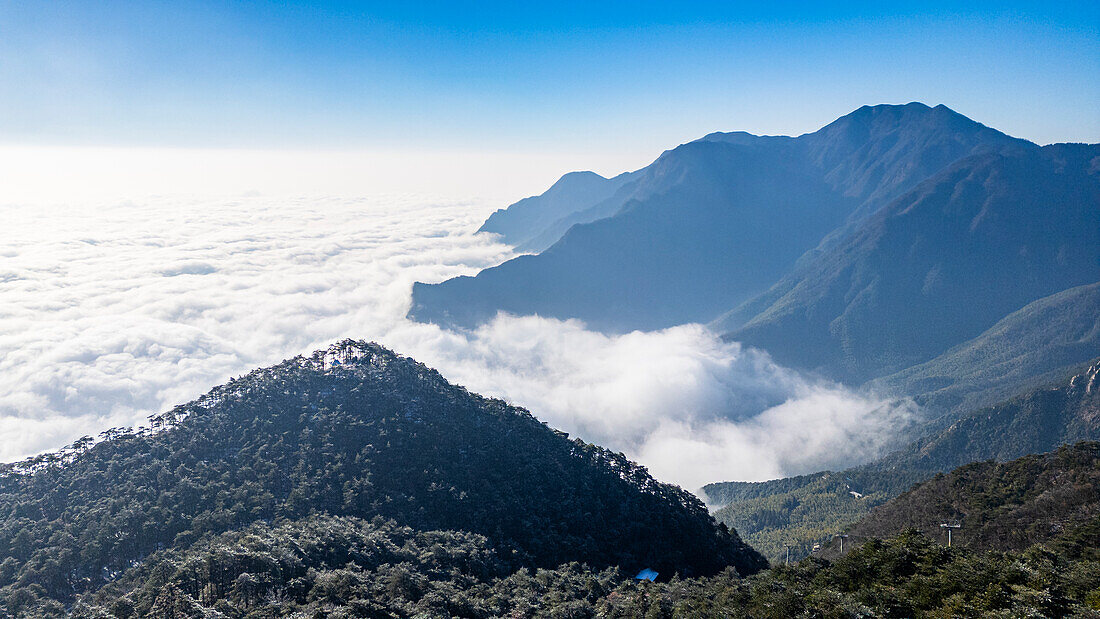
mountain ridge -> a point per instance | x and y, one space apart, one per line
521 223
1006 505
1036 344
683 241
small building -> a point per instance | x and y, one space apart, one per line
646 574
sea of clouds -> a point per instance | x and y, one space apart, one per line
115 311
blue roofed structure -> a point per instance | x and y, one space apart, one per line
646 574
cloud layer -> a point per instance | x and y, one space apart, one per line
112 312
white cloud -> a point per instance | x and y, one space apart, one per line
112 312
692 408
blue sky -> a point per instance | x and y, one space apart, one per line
624 80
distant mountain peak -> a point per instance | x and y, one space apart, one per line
522 222
871 120
578 174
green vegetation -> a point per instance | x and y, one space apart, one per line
811 509
802 517
1034 422
354 431
1002 506
358 483
340 567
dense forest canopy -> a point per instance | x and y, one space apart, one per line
326 566
359 483
356 431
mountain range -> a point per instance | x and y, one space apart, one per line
903 248
938 266
882 246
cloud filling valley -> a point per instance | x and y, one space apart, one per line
115 311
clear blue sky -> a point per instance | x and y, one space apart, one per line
451 75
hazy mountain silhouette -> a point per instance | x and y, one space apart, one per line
525 220
938 266
713 222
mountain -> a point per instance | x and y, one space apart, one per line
713 222
938 266
1033 422
807 510
1034 345
352 431
999 505
521 223
632 270
877 153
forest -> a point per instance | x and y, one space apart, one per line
347 567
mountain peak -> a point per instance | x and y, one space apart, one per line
886 117
348 352
885 108
576 191
356 430
578 175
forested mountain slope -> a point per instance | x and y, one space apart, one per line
1041 342
343 567
355 430
713 222
999 505
1037 421
938 266
809 509
782 516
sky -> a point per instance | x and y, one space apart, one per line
499 98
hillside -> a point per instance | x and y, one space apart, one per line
809 509
797 513
355 431
714 228
999 505
714 222
1037 421
938 266
1037 344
